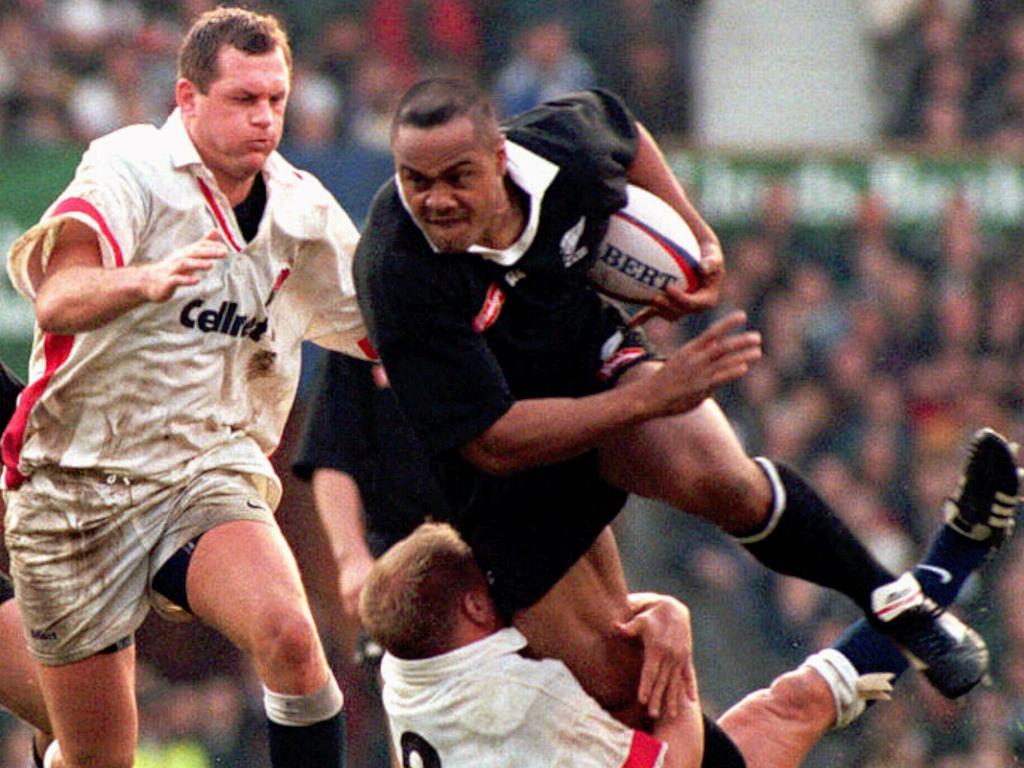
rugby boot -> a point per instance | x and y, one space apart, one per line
987 495
951 655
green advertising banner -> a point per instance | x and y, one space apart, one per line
728 187
30 179
825 190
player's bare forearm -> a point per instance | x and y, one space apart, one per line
76 293
547 430
339 505
651 171
82 298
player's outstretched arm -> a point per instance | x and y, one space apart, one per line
546 430
340 508
75 293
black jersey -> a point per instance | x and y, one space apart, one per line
465 335
10 388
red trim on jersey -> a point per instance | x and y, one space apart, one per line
277 285
687 261
217 213
368 349
622 357
81 205
489 312
644 751
56 348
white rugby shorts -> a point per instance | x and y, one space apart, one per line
84 548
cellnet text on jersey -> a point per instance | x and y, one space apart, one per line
224 320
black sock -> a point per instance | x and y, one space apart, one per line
320 745
810 542
720 751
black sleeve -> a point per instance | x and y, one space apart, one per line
337 433
10 388
419 307
591 135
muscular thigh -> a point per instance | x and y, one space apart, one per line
694 462
528 530
574 622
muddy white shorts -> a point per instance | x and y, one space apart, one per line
84 548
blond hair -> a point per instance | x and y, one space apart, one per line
410 602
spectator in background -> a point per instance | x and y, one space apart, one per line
378 83
316 105
114 95
425 37
32 85
545 63
339 48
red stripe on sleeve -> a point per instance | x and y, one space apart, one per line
56 348
218 214
81 205
368 349
644 751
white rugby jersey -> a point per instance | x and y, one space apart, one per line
207 378
485 706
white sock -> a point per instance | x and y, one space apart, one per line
851 691
297 710
50 758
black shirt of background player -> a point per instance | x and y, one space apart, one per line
454 381
356 427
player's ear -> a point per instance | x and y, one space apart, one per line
501 155
185 95
479 608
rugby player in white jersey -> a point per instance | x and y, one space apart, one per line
174 281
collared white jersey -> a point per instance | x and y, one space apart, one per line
486 706
208 377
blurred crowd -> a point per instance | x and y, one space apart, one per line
885 345
73 69
951 73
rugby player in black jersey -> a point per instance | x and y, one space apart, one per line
542 409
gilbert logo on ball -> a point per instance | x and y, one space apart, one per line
647 247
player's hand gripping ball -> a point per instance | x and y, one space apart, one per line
647 247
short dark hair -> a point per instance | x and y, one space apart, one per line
411 598
248 31
439 100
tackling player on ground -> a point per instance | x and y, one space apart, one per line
459 694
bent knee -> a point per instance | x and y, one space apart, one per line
285 638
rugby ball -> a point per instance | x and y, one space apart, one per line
647 247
